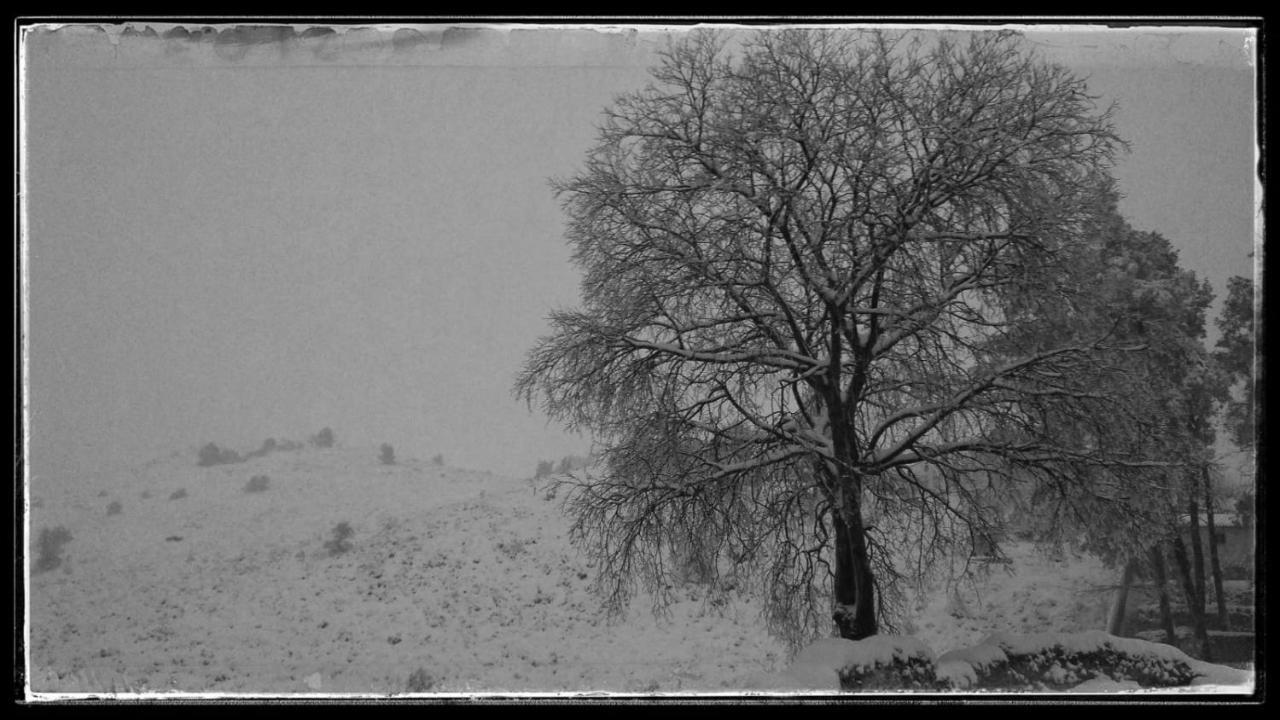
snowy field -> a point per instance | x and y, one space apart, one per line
455 581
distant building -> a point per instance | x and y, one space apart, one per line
1233 535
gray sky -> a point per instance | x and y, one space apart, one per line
233 239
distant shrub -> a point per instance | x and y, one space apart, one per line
323 439
512 548
178 494
115 508
49 547
257 483
339 543
420 681
545 468
387 455
438 459
211 455
268 447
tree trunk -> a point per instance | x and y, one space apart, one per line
1116 623
1189 588
1197 549
1224 621
855 613
1162 592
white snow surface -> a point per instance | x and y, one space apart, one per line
466 575
961 667
817 666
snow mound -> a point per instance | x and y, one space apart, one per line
877 662
963 668
1221 678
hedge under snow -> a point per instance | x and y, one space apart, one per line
1048 661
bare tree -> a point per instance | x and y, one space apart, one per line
812 337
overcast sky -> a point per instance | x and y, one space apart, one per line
236 237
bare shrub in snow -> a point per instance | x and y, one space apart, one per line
339 543
211 455
512 548
49 547
268 446
324 438
257 483
387 454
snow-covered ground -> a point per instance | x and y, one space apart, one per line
464 575
457 581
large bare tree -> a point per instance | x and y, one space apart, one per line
833 311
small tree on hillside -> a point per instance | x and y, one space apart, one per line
809 264
211 455
323 439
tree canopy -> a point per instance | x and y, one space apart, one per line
1235 354
841 297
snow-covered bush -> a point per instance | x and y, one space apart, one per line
211 455
339 544
324 438
420 681
978 666
268 446
49 546
1059 661
880 662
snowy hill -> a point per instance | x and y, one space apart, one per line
451 581
463 577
